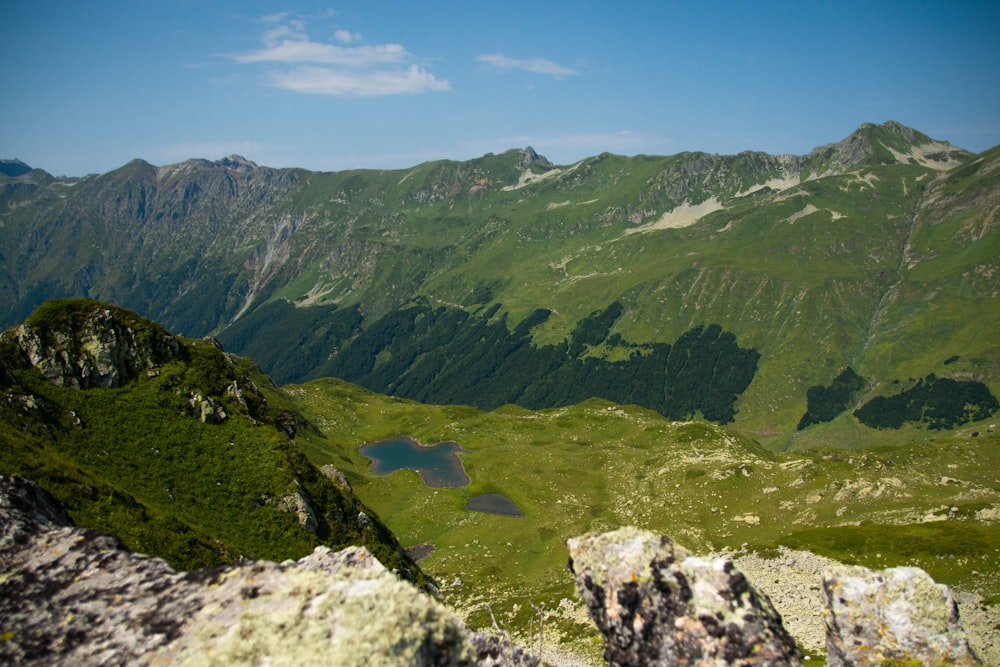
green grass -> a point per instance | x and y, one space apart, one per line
952 552
136 461
598 466
893 270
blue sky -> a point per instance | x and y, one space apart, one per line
87 86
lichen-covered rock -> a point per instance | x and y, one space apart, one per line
337 477
93 347
897 614
70 596
296 502
657 605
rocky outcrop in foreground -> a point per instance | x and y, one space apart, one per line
656 604
898 614
70 596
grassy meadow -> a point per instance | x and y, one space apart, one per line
931 502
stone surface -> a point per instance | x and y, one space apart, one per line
95 350
897 614
70 596
299 504
337 477
657 605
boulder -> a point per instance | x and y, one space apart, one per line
893 615
298 503
337 477
70 596
657 605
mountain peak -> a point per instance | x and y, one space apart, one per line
886 143
237 163
529 158
13 168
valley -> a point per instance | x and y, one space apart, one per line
877 252
595 466
785 359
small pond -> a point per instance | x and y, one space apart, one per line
493 503
438 465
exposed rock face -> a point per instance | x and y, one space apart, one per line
657 605
82 343
529 157
205 408
337 477
70 596
296 502
95 349
897 614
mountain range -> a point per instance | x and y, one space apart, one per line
830 298
576 329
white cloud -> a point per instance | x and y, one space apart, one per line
331 69
274 18
533 65
275 35
305 51
346 36
333 81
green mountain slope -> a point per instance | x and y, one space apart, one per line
180 449
876 253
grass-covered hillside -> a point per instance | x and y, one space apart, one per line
932 501
181 450
190 453
877 253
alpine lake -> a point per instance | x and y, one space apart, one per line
438 466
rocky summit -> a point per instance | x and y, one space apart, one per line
656 604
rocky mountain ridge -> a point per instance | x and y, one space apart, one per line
877 252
